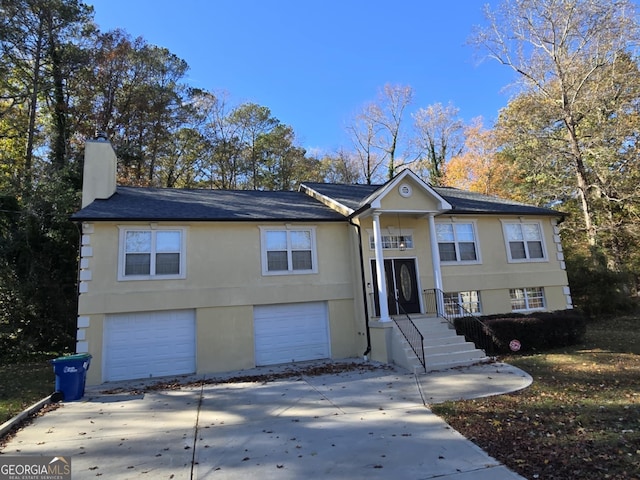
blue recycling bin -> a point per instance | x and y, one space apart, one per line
71 375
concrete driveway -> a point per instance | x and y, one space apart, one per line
362 423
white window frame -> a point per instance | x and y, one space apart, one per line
476 241
460 301
391 241
154 230
527 298
290 270
527 258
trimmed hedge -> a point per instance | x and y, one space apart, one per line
535 331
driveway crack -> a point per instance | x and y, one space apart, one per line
195 430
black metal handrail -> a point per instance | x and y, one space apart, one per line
414 338
467 323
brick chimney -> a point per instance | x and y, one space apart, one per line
99 177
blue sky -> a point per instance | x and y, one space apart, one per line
314 63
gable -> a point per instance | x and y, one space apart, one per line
408 196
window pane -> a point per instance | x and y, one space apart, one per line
138 242
301 260
451 304
517 299
301 240
535 297
467 251
447 252
531 231
444 232
167 241
388 242
276 240
137 264
535 249
514 232
408 241
517 250
277 261
464 232
167 264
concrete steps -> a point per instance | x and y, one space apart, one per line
443 348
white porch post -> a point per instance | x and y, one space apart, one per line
382 280
435 260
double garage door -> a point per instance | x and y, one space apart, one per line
291 333
155 344
149 344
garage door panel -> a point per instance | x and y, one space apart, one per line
291 333
150 344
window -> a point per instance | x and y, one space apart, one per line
398 242
457 242
151 254
524 241
288 251
527 298
462 303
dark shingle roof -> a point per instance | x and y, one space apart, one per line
353 196
136 203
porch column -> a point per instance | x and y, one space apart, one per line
381 277
435 260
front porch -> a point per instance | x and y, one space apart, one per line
410 341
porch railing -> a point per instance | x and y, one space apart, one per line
412 335
461 319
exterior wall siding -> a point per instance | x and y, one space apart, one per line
223 282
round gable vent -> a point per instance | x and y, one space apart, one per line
405 190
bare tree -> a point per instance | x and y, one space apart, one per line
388 115
364 132
439 137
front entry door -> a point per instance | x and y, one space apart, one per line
402 286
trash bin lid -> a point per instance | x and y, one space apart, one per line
72 358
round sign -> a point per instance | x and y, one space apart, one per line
514 345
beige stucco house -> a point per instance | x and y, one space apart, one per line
200 281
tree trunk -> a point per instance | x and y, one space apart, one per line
582 181
33 111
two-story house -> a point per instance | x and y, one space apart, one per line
178 281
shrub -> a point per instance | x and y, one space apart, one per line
535 331
597 290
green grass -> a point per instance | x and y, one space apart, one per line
579 419
22 385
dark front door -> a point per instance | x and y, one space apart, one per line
402 286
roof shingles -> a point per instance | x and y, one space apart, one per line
136 203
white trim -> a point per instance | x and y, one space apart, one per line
526 300
544 258
290 271
123 229
375 198
476 238
391 232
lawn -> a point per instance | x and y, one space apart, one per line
580 419
22 385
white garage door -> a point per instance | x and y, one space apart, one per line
291 333
150 344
